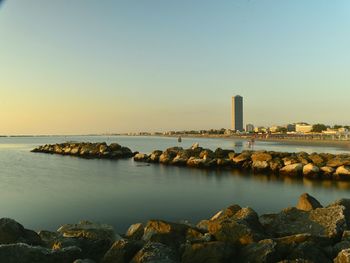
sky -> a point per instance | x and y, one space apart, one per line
89 66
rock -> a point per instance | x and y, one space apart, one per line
342 172
343 256
260 166
344 202
309 251
135 231
264 251
327 171
310 170
48 238
122 251
171 234
195 162
156 253
88 230
195 146
261 156
13 232
23 253
276 164
214 252
307 202
154 157
291 159
317 159
86 260
141 157
327 223
337 248
238 227
206 154
292 169
222 154
241 158
340 160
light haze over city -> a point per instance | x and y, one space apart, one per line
75 67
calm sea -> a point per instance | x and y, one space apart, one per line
44 191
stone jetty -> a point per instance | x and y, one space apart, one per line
314 165
87 150
308 232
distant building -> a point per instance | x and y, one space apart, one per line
261 129
274 129
303 128
237 113
249 128
290 127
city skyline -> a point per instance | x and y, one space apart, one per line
86 67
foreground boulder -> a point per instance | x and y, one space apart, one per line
215 251
154 252
306 202
13 232
236 225
321 222
23 253
122 251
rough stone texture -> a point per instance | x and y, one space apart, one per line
135 231
23 253
236 226
322 222
210 252
343 172
156 253
346 204
171 234
294 169
122 251
88 230
339 160
343 256
306 202
262 252
311 170
13 232
259 166
141 157
261 156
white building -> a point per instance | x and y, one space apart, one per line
303 128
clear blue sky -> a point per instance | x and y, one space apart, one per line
87 66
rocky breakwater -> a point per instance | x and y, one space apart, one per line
87 150
314 165
308 232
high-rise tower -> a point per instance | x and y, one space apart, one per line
237 113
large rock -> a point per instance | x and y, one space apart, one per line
326 222
236 225
122 251
317 159
23 253
327 171
261 156
343 172
156 253
311 170
344 202
135 231
265 251
88 230
306 202
140 157
241 158
294 169
260 166
13 232
154 157
339 160
213 252
343 256
171 234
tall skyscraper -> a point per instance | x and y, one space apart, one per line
237 113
